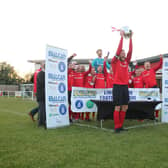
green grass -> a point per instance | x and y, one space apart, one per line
24 145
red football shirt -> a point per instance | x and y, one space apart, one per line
120 68
70 79
79 77
88 81
138 82
130 82
100 81
121 76
35 80
149 76
108 77
109 80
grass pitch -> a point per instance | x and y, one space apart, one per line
24 145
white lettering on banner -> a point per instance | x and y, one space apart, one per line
57 114
81 97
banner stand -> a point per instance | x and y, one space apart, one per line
57 114
164 116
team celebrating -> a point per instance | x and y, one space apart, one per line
117 76
101 74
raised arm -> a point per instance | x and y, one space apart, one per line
105 59
136 67
129 54
120 46
119 49
69 70
105 69
89 70
159 64
71 57
93 80
107 65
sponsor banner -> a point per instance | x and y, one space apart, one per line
81 97
57 114
165 89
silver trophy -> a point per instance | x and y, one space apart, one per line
127 31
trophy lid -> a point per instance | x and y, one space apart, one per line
126 29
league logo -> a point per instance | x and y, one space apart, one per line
79 104
61 88
62 109
61 66
89 104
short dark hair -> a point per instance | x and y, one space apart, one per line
98 50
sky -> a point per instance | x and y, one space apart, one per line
80 26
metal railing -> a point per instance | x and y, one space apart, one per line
18 94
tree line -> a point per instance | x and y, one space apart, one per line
8 75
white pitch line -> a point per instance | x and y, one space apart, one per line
14 112
89 126
111 130
144 125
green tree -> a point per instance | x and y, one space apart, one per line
8 75
29 78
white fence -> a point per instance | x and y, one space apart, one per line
18 94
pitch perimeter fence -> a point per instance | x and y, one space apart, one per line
18 94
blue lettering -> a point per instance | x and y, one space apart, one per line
132 97
106 98
56 55
107 92
57 98
130 92
56 77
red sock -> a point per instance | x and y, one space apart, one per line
116 117
122 118
73 114
82 116
87 116
77 115
156 113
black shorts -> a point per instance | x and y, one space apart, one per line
120 95
69 97
154 86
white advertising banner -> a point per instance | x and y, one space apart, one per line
81 97
57 114
165 89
